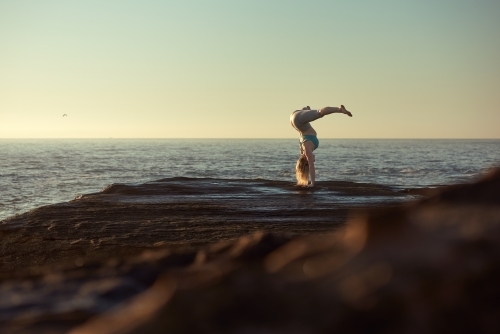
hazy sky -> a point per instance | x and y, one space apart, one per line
201 68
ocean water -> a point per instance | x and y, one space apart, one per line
35 172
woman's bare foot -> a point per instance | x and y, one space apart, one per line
345 111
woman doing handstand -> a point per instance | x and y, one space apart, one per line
300 119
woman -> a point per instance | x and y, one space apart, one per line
304 170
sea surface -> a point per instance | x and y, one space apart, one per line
36 172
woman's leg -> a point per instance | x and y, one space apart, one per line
306 116
300 119
331 110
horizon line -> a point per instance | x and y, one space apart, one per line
260 138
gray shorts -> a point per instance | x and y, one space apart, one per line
300 119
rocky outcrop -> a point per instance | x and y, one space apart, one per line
431 266
178 213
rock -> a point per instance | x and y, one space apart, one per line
429 266
179 213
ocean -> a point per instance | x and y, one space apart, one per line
36 172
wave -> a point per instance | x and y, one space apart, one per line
424 191
211 186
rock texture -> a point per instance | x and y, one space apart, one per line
431 266
179 213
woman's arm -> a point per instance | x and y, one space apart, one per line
308 148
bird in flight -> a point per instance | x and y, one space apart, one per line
65 115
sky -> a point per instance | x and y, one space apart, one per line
237 69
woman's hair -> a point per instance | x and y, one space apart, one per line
302 171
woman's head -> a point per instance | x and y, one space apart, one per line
302 171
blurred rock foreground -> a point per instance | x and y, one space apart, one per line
431 266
